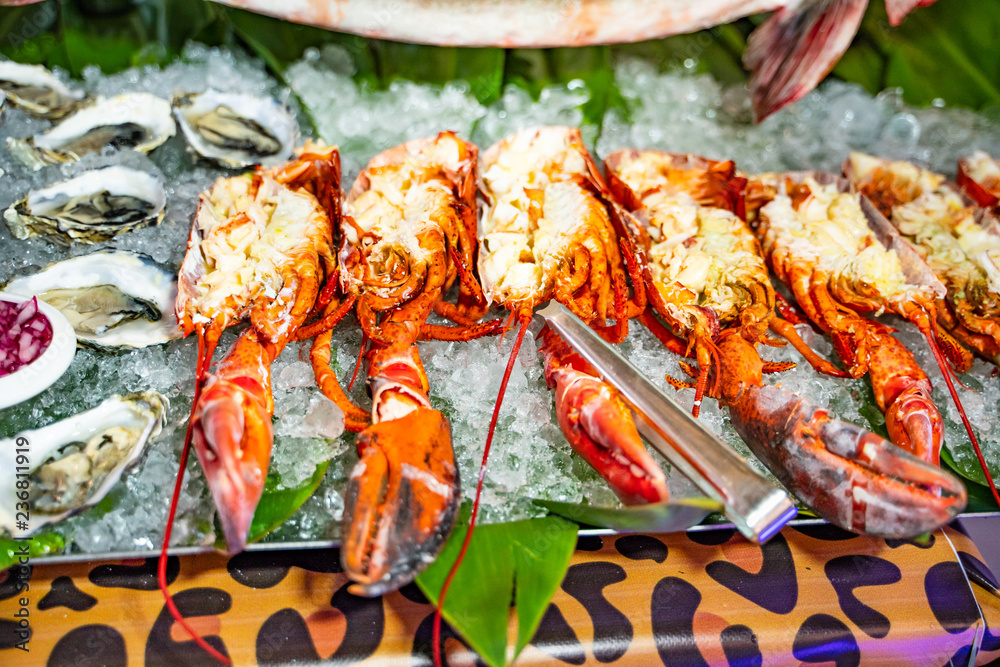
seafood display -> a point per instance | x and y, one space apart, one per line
141 121
92 207
112 298
407 234
236 130
283 252
705 276
963 253
75 462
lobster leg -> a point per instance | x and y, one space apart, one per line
599 425
903 393
787 331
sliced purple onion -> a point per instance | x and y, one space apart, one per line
25 333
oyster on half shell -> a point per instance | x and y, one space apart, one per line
37 91
134 120
237 130
72 464
113 298
94 206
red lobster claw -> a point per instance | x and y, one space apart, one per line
231 433
599 425
851 477
401 501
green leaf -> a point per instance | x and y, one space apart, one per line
529 557
673 516
38 546
481 68
980 496
277 505
280 43
862 64
948 50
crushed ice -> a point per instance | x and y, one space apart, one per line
531 459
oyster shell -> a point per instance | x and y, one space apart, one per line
72 464
37 91
237 130
134 120
94 206
113 298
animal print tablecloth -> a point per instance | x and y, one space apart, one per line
810 595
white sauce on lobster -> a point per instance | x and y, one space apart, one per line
536 204
701 255
830 231
242 239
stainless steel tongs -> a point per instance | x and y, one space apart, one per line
755 506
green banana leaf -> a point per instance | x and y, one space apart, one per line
40 545
523 560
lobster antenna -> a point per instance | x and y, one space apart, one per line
357 364
946 371
205 352
436 637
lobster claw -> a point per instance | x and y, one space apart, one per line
401 501
600 428
232 436
850 476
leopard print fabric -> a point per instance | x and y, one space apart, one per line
810 595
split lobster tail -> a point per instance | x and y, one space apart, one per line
599 425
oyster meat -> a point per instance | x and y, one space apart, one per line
94 206
72 464
237 130
37 91
113 298
134 120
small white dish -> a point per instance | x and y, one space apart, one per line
39 375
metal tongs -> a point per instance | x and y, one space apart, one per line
755 506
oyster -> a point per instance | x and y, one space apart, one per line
72 464
134 120
37 91
94 206
113 298
237 130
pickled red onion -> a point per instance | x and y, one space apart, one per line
25 333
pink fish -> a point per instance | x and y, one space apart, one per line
788 55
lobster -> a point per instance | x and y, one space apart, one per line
259 248
408 232
819 244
